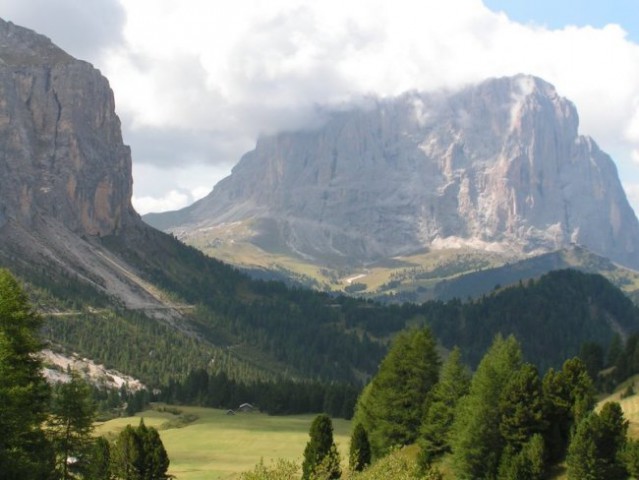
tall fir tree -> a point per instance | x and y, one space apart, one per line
391 406
439 408
155 461
70 425
99 460
320 451
25 453
477 441
127 455
570 396
522 407
596 449
360 449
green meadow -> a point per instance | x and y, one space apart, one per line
220 446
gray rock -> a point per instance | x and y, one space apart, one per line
498 166
61 150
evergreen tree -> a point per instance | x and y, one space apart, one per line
521 406
99 460
360 449
439 408
25 453
127 455
570 396
477 442
155 461
596 449
391 407
630 457
529 463
71 424
321 449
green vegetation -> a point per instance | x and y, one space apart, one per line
47 432
25 452
360 449
320 454
70 424
390 408
221 446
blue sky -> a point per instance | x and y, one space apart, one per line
560 13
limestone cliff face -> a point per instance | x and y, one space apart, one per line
61 150
499 166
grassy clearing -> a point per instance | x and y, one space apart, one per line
220 446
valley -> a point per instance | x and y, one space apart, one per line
398 266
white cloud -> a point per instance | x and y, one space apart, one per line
173 200
222 75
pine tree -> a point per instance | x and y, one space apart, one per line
521 406
391 406
321 449
99 460
596 449
477 442
439 408
569 396
71 424
155 461
127 455
529 463
360 450
25 453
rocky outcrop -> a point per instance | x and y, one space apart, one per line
65 174
497 166
61 149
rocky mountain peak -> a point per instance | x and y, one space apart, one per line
20 46
497 166
62 155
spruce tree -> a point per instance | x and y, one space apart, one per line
321 450
360 449
596 449
439 408
99 460
391 406
25 453
71 424
477 441
570 396
155 462
127 455
521 406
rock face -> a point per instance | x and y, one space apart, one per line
65 175
61 150
498 166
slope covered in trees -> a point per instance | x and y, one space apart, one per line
259 330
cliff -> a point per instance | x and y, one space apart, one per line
497 166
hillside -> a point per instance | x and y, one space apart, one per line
130 297
495 171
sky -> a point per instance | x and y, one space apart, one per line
196 82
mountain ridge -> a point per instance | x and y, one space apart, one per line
498 166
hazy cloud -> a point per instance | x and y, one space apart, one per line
196 83
82 28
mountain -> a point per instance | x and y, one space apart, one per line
112 288
132 298
497 167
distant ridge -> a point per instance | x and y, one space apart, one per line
498 166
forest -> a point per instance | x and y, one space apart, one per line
502 420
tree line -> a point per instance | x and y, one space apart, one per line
47 432
505 421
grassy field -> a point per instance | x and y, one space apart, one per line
220 446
